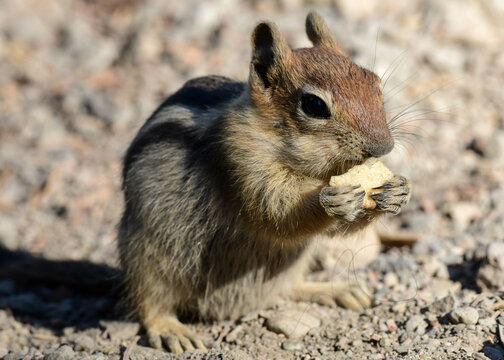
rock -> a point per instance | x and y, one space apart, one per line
120 330
64 352
464 315
436 268
233 334
69 330
97 356
444 305
495 146
292 323
440 288
385 341
425 248
491 274
487 322
500 319
13 356
84 343
251 316
375 357
376 337
342 343
495 254
416 324
146 353
292 345
4 342
390 279
464 213
490 278
403 349
7 226
391 325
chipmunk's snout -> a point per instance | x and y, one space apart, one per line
376 149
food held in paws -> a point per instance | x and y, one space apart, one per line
369 175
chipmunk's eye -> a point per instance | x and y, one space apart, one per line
315 107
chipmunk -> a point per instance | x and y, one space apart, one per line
226 185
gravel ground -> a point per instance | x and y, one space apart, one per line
78 78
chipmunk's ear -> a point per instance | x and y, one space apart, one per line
318 32
268 49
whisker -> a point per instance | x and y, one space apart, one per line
407 121
402 85
375 47
406 108
393 63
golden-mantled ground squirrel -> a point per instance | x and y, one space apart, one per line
226 184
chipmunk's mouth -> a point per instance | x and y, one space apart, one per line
343 167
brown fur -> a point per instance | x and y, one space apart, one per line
226 193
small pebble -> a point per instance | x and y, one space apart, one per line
120 330
292 323
416 324
391 324
487 322
292 345
390 279
68 331
231 337
342 344
376 337
444 305
251 316
402 349
495 254
64 352
376 357
385 342
84 343
464 315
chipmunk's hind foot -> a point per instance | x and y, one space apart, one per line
348 295
176 336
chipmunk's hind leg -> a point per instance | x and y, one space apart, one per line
156 303
349 295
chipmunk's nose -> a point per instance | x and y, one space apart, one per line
376 149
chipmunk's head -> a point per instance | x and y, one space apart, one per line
328 110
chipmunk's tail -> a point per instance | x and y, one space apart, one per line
81 276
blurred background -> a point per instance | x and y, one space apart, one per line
79 77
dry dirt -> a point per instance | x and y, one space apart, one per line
78 78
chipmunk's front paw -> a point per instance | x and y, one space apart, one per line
396 193
342 201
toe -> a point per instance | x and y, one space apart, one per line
348 301
186 343
199 344
155 341
324 300
173 344
363 296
